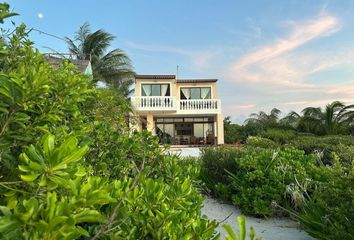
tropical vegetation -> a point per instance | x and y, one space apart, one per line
334 119
300 165
70 168
112 67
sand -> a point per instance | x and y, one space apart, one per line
267 229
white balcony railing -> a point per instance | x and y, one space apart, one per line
200 105
157 103
154 103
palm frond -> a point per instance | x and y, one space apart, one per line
96 43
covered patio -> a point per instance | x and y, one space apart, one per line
191 131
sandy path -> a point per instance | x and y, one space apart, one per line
268 229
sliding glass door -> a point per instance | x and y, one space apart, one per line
165 132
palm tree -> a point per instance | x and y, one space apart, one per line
335 118
292 120
112 67
263 119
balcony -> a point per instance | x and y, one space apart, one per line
155 103
199 106
179 106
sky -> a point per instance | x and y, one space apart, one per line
265 54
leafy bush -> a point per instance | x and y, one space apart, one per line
343 146
278 135
263 177
261 142
36 99
254 178
214 163
58 198
329 214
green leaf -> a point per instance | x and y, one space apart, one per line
76 156
89 216
6 211
82 231
48 145
242 226
230 232
24 168
29 178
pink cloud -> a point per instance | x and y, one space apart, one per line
303 32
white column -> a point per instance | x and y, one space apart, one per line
150 123
220 128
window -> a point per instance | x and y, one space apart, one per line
155 89
195 93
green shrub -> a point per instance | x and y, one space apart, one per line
253 178
59 198
214 163
329 214
279 136
343 146
261 142
36 99
263 177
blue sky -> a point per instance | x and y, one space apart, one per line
284 54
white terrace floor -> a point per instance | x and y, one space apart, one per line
185 151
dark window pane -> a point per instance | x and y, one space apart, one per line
205 93
185 93
165 89
198 130
146 89
195 93
156 90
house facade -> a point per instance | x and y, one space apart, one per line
179 111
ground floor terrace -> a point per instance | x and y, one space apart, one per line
185 130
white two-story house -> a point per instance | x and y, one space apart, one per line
179 111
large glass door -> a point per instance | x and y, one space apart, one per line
203 133
165 132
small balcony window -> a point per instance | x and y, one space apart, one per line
155 89
196 93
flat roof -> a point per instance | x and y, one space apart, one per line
196 80
162 76
155 76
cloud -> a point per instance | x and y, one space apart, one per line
200 59
290 76
40 15
302 33
231 107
